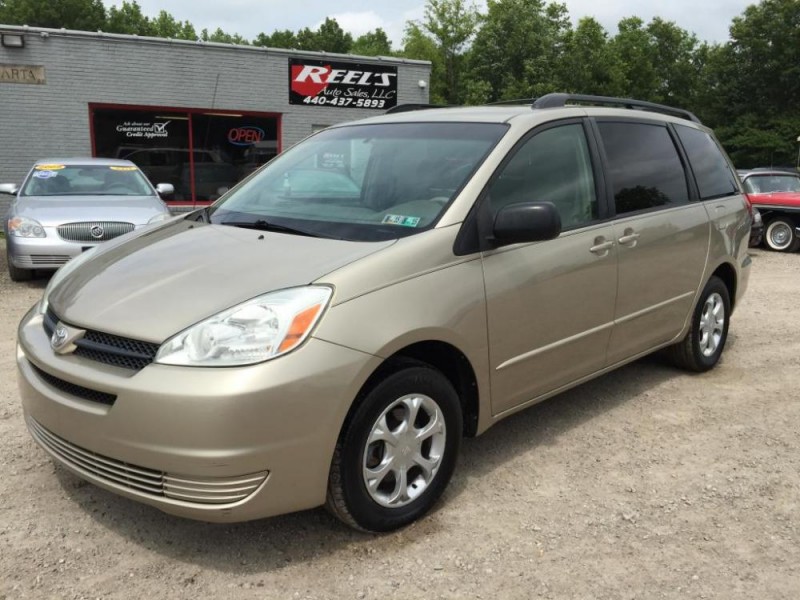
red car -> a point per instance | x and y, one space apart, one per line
776 194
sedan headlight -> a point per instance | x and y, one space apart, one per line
25 227
61 274
252 332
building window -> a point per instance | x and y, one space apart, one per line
201 153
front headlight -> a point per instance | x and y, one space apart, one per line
61 274
252 332
25 227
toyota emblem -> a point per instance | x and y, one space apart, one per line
97 231
59 337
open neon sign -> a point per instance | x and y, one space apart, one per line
247 135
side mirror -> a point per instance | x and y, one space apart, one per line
221 191
165 189
9 188
526 222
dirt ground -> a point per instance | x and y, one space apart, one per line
645 483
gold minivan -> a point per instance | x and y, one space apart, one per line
329 330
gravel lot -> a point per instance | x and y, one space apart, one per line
646 483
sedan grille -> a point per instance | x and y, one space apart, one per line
93 231
37 260
141 480
107 348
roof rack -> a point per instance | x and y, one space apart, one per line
561 100
401 108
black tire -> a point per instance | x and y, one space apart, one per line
16 273
689 352
348 496
780 235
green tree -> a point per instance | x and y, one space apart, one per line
517 50
674 59
751 85
165 25
588 64
443 37
278 39
372 43
128 18
329 37
86 15
222 37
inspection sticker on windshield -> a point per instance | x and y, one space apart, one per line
401 220
49 167
123 168
45 174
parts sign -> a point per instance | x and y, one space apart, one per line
342 84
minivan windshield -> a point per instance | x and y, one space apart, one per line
86 180
362 182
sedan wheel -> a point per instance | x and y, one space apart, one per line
780 235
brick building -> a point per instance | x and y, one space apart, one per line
198 115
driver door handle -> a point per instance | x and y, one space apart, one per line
601 247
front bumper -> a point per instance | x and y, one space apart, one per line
226 444
49 252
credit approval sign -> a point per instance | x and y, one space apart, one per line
342 84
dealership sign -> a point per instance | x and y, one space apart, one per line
342 84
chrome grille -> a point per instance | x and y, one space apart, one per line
204 490
36 260
93 231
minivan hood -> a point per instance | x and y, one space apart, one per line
56 210
156 284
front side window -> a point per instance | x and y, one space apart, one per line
712 172
362 182
645 169
86 180
770 184
553 166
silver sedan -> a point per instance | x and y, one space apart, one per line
67 206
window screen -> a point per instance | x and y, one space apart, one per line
553 166
645 169
711 171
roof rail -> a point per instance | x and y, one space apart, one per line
560 100
401 108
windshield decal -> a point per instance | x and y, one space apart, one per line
401 220
45 174
49 167
123 168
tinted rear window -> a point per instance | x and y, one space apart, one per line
645 169
711 171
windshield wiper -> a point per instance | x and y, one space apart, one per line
264 225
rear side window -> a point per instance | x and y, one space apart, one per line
645 169
711 171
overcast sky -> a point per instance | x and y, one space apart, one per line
708 19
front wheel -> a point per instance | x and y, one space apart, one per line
397 452
781 236
702 347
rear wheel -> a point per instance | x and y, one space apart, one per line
702 347
781 236
397 452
